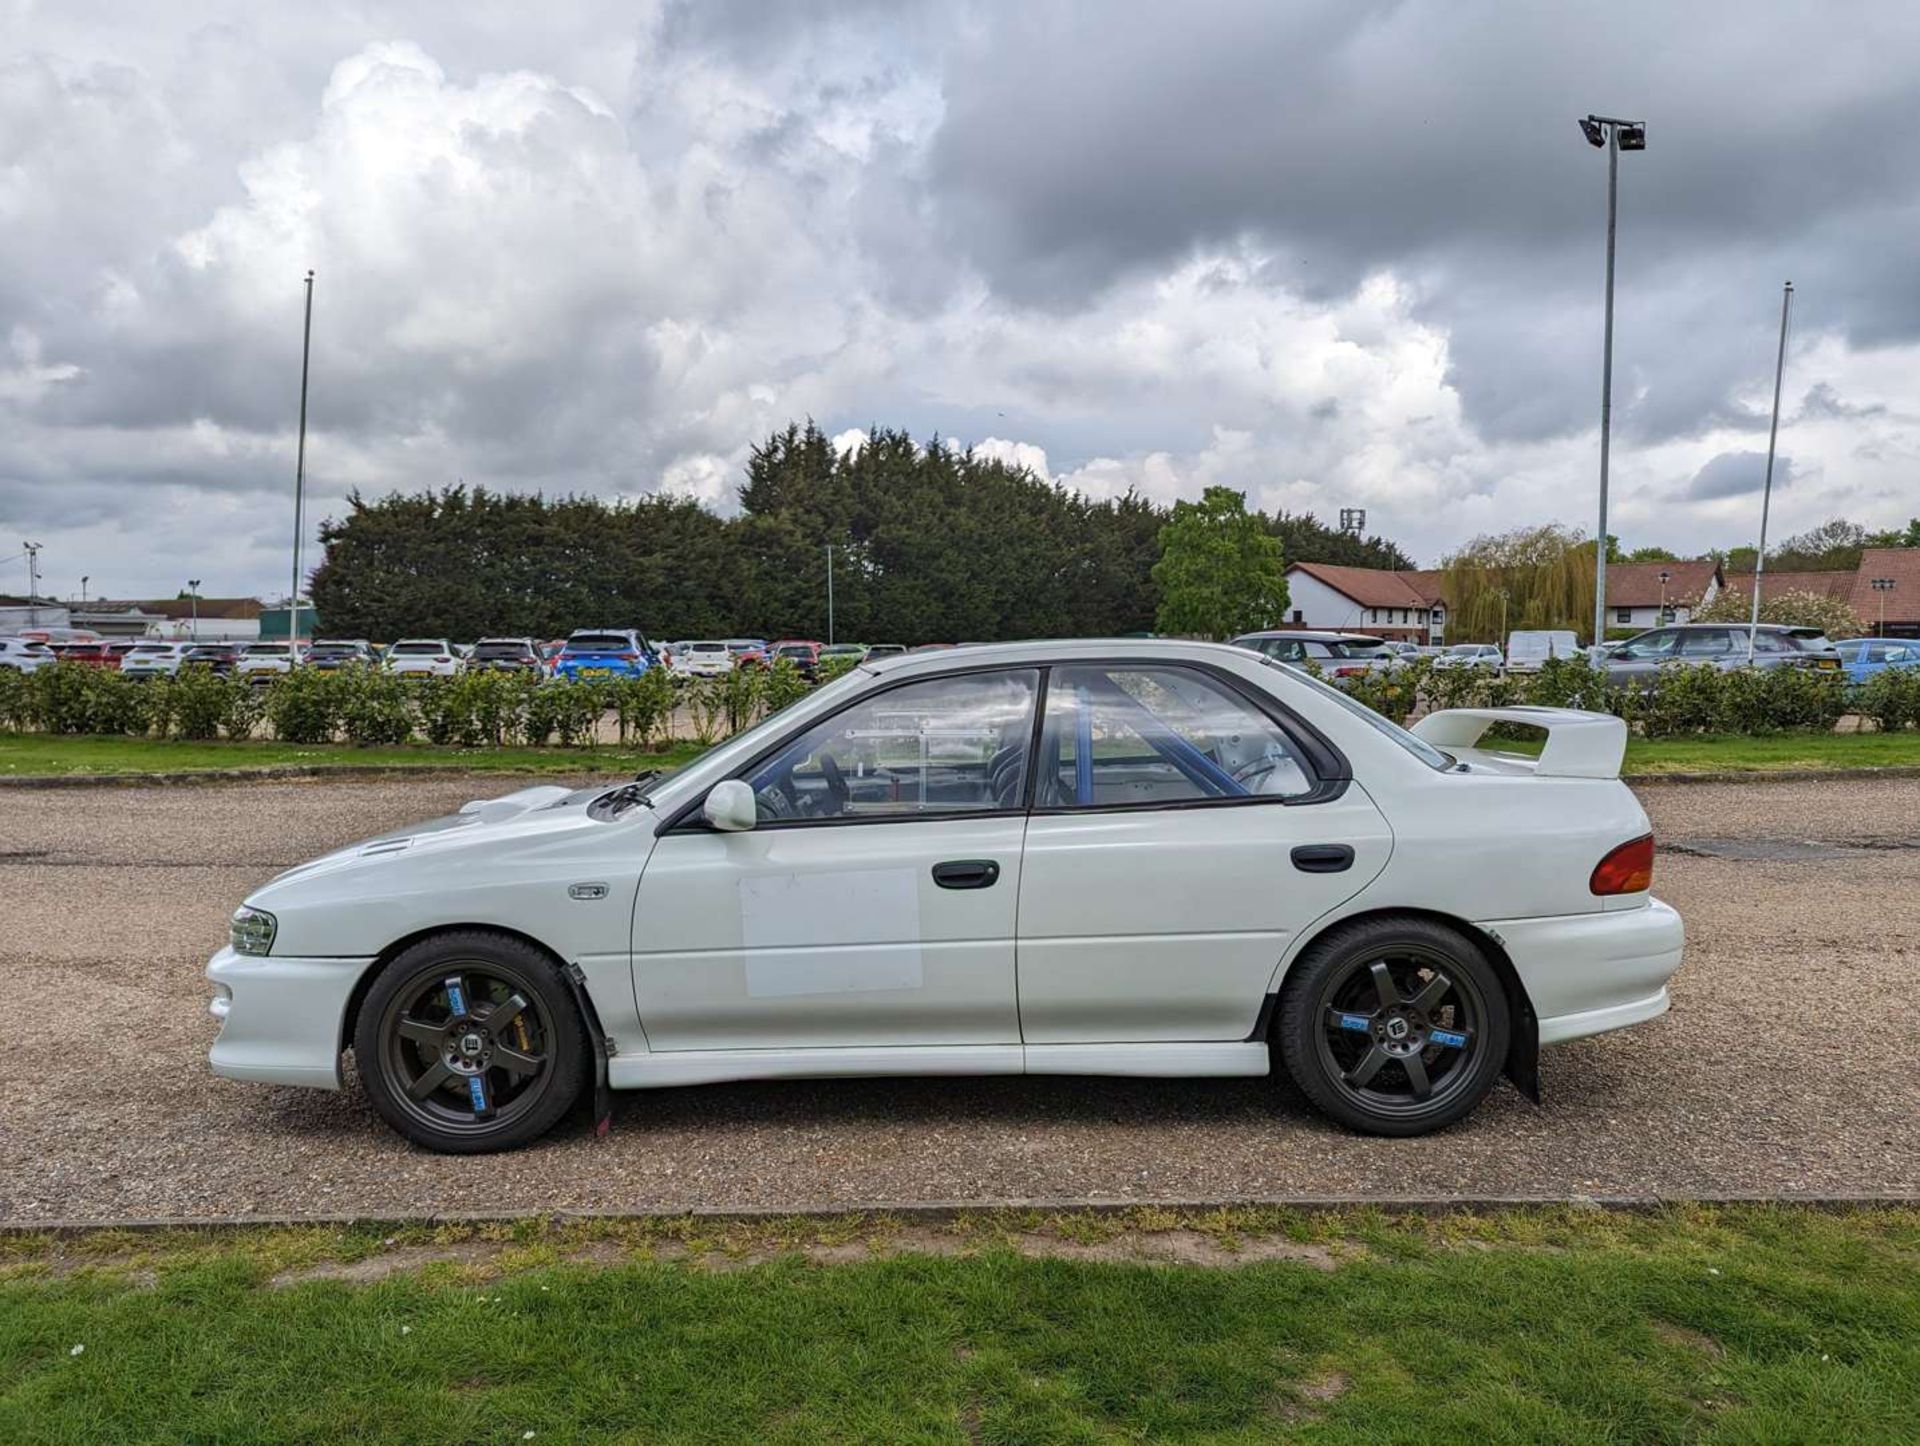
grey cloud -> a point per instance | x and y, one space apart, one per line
1732 474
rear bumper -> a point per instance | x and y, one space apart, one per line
281 1020
1589 973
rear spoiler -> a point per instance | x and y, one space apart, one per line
1579 745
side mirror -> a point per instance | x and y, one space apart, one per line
730 806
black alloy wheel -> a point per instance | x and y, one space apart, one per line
1394 1026
470 1042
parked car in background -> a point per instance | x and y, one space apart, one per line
1527 650
802 654
1260 876
1337 655
605 653
1472 655
850 652
153 660
885 650
22 655
215 657
1401 650
423 658
263 662
507 655
748 652
1636 663
1863 657
707 659
330 655
97 653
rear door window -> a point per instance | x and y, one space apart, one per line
1128 736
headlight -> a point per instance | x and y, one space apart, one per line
252 930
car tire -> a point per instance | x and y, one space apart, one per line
1391 1066
463 1006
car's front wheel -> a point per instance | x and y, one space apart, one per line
1393 1026
470 1042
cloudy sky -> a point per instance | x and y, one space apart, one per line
1331 254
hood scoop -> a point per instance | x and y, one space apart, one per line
512 805
386 846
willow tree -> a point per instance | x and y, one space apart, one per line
1532 577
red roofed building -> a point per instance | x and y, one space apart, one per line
1636 592
1901 602
1362 600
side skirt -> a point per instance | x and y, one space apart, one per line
714 1066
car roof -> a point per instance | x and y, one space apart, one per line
1054 650
1308 635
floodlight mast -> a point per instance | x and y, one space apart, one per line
1616 135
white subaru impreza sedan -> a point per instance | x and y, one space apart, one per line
1144 858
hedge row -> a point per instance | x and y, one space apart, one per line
491 709
1682 700
373 709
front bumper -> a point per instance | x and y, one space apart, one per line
281 1020
1589 973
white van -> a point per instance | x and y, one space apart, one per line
1526 651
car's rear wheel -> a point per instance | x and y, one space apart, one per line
470 1042
1393 1026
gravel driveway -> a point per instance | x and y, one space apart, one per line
1785 1068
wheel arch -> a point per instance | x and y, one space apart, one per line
1523 1049
350 1019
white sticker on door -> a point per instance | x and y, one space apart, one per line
840 932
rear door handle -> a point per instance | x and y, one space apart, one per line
967 874
1323 858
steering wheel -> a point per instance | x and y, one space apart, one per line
838 793
1259 767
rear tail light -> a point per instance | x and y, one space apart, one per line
1627 870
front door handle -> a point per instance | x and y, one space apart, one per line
967 874
1323 858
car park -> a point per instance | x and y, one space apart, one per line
22 655
1338 655
1636 663
701 660
605 653
1472 655
1529 649
423 658
215 657
802 654
330 655
153 660
94 653
1206 863
263 662
507 655
1863 657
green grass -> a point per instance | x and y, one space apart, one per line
1735 753
1737 1324
44 754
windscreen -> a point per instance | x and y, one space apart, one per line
502 650
417 650
599 643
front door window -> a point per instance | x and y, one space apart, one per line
955 745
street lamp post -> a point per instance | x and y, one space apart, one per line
85 578
1616 135
1766 488
33 584
829 594
300 476
193 594
1665 578
1883 586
